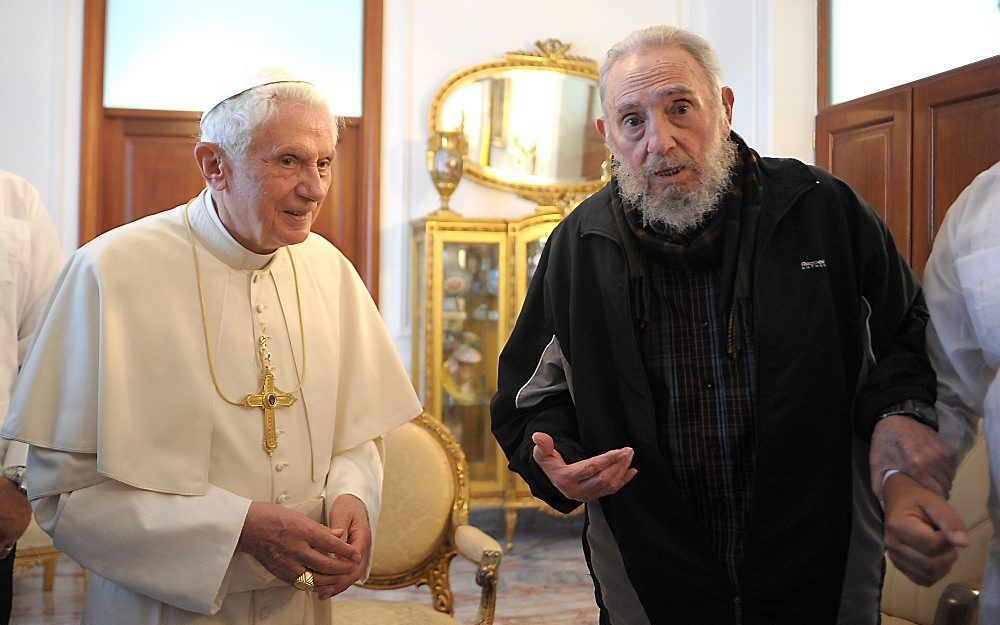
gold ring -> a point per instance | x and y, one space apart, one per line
305 582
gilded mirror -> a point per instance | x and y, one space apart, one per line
528 122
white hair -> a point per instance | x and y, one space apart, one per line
659 37
233 122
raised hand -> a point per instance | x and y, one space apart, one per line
586 480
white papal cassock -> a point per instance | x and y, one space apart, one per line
141 472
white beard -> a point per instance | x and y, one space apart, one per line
675 211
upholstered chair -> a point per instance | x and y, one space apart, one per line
33 549
422 527
953 600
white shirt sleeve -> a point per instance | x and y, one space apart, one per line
359 472
17 454
42 259
46 261
962 289
174 548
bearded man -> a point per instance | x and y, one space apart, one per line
206 392
723 356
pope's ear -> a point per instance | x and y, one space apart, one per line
212 165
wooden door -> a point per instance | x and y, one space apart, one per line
866 143
956 127
138 162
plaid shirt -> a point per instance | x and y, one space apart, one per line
703 400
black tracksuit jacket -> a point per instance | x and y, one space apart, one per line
836 342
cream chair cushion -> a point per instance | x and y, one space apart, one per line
916 604
34 538
387 613
417 497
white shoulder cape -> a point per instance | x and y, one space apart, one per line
118 367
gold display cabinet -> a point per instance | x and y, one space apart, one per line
470 278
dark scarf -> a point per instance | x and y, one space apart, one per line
725 240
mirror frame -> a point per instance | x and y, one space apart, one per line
550 55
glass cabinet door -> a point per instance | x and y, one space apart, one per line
532 255
470 330
529 237
470 280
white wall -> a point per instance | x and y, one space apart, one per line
40 58
793 79
767 49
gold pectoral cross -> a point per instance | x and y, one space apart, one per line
268 399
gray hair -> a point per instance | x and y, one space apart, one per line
233 122
658 37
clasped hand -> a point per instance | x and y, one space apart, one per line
586 480
287 542
922 532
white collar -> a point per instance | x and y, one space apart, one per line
208 227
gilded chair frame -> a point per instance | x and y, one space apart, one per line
433 570
27 559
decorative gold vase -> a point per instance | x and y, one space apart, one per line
444 162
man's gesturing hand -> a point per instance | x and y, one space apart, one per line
921 530
347 514
587 480
286 542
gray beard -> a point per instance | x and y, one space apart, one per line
676 211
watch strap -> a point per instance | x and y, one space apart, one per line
918 410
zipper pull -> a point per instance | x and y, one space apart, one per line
738 606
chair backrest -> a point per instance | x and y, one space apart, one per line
904 599
425 495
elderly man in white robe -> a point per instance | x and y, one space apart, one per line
208 386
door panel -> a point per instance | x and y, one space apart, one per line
149 167
866 143
957 120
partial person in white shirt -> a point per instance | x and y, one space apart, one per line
30 260
962 286
207 392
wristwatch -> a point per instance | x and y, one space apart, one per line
919 411
16 474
